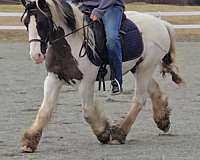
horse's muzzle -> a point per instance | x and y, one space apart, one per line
38 58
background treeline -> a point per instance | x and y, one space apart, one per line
179 2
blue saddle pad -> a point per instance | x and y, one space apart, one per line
131 41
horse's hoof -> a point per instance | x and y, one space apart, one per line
25 149
117 135
104 137
164 125
163 122
114 142
30 141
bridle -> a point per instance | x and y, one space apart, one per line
43 44
30 8
38 40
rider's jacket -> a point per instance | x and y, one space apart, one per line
98 7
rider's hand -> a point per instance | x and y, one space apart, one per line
93 17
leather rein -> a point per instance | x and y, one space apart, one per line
28 10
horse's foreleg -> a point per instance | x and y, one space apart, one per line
92 113
161 111
119 132
31 137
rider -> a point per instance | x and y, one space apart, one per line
111 12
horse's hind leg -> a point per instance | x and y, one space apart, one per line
119 132
31 137
161 111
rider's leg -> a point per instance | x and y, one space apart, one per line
112 22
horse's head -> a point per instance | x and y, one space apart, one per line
37 19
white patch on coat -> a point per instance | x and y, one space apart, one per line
33 34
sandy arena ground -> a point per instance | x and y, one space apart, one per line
68 137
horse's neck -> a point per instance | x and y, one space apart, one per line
78 16
75 40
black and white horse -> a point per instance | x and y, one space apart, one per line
47 23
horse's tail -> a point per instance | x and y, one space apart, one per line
168 64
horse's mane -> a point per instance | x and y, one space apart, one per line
63 10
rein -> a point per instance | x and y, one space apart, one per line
56 40
74 31
31 7
85 41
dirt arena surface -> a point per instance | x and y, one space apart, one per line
68 137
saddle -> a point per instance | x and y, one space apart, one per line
95 45
131 41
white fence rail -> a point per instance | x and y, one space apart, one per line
12 28
157 14
171 14
10 14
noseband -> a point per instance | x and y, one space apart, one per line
43 44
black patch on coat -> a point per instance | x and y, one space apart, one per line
68 13
167 59
59 59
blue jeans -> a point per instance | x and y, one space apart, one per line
112 23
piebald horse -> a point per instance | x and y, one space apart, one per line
48 21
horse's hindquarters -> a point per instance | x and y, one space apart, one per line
152 29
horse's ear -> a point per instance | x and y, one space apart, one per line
23 2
